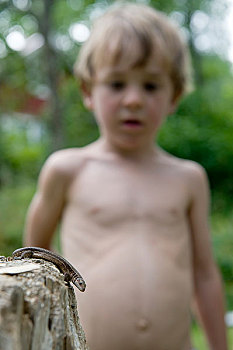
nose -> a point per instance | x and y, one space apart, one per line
133 97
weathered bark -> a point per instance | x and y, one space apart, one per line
38 311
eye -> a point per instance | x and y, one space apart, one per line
117 85
150 86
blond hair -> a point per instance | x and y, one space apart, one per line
134 33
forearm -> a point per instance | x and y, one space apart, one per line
34 238
48 203
40 225
210 301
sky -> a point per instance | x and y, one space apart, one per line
229 26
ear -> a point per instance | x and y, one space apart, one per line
174 103
87 95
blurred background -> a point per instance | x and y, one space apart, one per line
41 108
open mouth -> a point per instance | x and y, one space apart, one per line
132 123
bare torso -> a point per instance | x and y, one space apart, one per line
125 227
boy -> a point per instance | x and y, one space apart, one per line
133 218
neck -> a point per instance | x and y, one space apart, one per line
137 153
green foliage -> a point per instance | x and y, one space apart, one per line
14 202
202 128
79 124
223 246
21 158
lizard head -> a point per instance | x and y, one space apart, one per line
80 284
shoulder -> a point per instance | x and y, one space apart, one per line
194 172
57 163
66 163
185 167
191 173
62 158
61 166
66 160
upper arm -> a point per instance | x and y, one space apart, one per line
47 205
203 263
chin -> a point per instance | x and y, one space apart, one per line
130 146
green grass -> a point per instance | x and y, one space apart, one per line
14 202
222 224
199 341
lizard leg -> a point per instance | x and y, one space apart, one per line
24 255
67 278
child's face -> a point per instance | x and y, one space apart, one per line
130 103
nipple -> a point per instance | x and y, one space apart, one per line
142 324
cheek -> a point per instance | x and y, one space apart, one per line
161 105
157 122
105 111
158 112
105 105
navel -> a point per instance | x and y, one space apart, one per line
142 324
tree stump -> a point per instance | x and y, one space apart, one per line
38 311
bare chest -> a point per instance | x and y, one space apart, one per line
114 194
